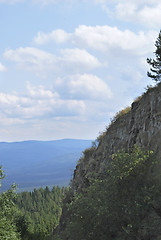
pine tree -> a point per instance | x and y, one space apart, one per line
155 70
8 211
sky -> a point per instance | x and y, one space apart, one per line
67 66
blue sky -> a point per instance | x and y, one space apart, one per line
67 66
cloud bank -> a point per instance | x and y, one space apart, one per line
40 61
77 77
66 98
103 38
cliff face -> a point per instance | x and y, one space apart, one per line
141 126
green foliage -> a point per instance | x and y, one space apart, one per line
8 229
124 164
30 215
40 212
1 175
155 70
112 208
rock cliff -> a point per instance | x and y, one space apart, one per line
141 125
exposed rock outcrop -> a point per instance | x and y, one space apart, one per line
141 126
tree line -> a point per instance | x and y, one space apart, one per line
30 215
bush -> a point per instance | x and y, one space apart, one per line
112 208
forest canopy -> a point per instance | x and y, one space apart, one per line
29 215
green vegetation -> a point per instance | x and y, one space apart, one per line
41 210
155 70
8 212
120 205
29 215
114 207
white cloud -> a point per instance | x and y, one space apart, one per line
41 92
79 59
150 16
39 61
59 36
37 103
83 98
83 91
84 87
106 39
2 68
31 59
146 12
29 56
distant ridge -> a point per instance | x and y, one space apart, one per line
34 163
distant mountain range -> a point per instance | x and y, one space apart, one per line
33 164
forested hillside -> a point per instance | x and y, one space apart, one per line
30 215
41 210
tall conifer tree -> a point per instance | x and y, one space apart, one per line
155 70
